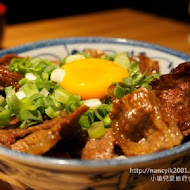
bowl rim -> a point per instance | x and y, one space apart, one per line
78 40
77 164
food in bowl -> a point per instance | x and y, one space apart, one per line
92 105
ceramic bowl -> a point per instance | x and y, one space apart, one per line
27 172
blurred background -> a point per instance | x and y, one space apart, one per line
132 19
29 10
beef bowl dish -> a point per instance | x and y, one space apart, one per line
93 113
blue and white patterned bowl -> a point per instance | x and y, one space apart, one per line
28 172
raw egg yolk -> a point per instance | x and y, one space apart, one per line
90 78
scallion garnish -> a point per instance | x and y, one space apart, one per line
135 81
96 130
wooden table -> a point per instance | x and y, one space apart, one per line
123 23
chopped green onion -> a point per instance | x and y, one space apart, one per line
75 57
122 89
63 61
45 84
123 60
23 81
39 104
12 100
33 115
79 55
30 76
20 94
44 76
135 81
29 89
100 113
47 101
71 105
29 117
48 69
5 116
36 96
92 102
19 65
44 92
51 113
84 122
134 69
107 121
27 103
86 119
62 96
1 99
96 130
33 65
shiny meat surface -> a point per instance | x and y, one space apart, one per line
141 126
14 121
94 53
10 136
146 64
8 78
173 91
6 59
99 149
39 142
68 127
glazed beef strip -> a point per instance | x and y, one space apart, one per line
146 64
173 90
6 59
99 149
8 137
8 78
39 142
42 140
141 126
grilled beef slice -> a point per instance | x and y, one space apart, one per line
173 90
8 78
41 141
146 64
40 138
99 149
141 126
